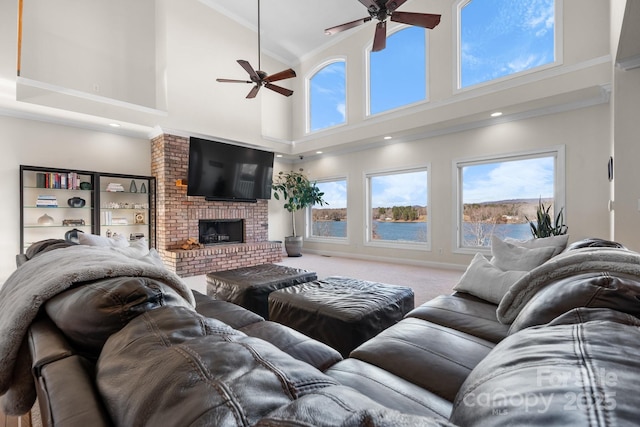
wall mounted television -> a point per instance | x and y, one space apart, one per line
221 171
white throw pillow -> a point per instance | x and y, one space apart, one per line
557 242
119 241
507 256
484 280
136 249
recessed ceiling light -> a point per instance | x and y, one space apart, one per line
279 155
318 152
114 125
388 137
496 114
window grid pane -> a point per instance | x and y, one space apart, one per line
330 220
398 203
327 96
500 198
398 73
503 37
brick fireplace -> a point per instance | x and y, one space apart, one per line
179 216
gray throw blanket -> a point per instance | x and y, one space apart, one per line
40 279
577 261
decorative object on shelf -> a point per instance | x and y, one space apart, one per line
46 201
108 233
136 236
114 187
133 188
45 220
73 222
143 188
119 221
76 202
138 218
85 185
72 235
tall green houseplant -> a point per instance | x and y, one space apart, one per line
544 226
298 193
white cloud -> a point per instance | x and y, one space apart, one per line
342 110
523 179
400 190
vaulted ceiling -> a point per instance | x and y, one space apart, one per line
294 29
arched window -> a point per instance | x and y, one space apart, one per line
398 73
503 37
327 96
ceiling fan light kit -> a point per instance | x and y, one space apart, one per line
259 78
381 10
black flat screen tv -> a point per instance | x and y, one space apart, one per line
221 171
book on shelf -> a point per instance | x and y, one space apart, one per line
65 181
45 200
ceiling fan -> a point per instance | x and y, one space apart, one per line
260 78
381 10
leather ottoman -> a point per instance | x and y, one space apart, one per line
250 287
339 311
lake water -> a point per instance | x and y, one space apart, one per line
413 231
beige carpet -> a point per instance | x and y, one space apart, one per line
426 283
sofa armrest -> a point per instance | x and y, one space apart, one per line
66 391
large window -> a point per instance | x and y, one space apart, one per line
397 208
330 220
398 72
498 196
503 37
327 96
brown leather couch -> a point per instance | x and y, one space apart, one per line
146 358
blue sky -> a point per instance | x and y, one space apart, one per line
502 37
498 38
521 179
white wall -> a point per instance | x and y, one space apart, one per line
584 133
36 143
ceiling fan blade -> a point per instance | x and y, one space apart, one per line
394 4
371 5
249 69
233 81
380 39
425 20
333 30
279 89
253 92
282 75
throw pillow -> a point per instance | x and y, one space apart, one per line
485 280
558 242
119 241
507 256
136 249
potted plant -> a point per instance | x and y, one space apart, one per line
544 227
298 193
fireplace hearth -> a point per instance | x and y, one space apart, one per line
220 231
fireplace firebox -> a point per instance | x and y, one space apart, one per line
219 231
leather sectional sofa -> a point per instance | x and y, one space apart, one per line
133 351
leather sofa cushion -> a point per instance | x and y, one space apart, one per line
464 313
88 314
431 356
570 374
233 315
342 406
294 343
619 292
196 371
389 390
